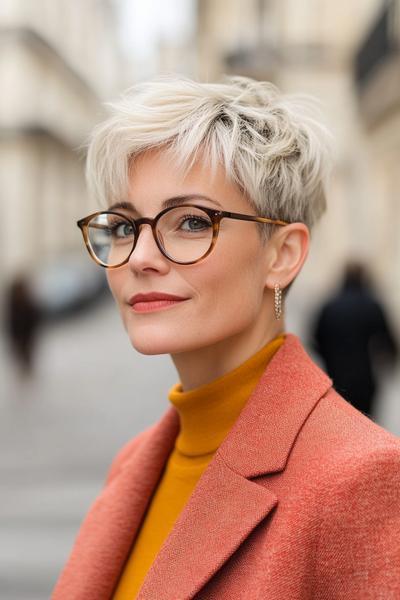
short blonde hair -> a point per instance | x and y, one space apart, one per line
270 144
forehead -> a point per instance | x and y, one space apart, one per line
155 177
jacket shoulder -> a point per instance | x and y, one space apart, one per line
127 451
356 430
338 439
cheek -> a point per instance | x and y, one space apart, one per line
115 281
230 293
111 282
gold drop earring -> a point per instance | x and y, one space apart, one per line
278 302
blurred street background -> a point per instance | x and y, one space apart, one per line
84 392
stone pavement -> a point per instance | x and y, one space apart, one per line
91 393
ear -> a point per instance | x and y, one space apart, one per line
288 250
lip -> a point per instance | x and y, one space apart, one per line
154 301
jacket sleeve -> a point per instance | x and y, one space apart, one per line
358 554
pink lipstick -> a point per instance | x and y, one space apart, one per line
153 301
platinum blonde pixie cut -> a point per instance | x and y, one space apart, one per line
270 144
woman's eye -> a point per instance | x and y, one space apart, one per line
193 223
121 229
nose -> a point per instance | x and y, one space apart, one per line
146 254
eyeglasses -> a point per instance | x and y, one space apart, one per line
184 234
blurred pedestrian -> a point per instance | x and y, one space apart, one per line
352 334
22 321
260 480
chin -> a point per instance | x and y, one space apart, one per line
165 342
150 348
156 343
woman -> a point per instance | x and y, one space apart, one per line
259 481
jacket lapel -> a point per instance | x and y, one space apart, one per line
226 505
222 511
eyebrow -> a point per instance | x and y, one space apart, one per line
168 203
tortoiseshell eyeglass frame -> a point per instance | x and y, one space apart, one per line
215 216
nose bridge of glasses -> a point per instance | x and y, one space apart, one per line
143 221
138 227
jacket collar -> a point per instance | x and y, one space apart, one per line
225 505
261 439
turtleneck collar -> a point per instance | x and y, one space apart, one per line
208 412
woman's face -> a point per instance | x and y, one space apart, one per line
224 293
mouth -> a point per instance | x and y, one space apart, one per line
154 301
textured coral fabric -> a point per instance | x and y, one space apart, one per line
301 501
206 414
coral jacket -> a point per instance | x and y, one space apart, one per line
301 501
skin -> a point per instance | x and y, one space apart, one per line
229 314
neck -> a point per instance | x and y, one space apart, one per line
202 365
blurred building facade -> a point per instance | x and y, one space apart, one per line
58 61
377 76
311 47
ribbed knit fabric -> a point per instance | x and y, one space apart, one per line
206 415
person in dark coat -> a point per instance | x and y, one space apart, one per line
22 320
352 335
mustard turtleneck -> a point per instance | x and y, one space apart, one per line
206 415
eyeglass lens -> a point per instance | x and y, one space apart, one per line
184 233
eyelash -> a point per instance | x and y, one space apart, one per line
198 217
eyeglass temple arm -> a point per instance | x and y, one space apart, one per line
233 215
